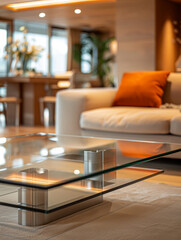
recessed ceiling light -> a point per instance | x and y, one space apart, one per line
77 11
42 15
48 3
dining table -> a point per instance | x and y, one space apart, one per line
30 90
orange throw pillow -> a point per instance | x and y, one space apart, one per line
141 89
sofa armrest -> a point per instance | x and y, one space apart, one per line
71 103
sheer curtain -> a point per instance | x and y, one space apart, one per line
59 50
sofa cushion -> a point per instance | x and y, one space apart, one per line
175 125
129 120
172 89
141 89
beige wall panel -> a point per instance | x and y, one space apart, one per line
135 32
130 55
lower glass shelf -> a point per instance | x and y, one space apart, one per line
38 206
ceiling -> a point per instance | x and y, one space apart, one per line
94 16
5 2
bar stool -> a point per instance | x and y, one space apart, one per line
47 110
13 100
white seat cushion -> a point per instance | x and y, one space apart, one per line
129 119
175 125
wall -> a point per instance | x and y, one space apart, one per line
135 32
167 49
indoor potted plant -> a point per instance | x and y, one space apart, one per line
99 49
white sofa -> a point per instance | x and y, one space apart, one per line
89 112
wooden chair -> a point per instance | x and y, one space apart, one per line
83 80
47 103
47 110
11 100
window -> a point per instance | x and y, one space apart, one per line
37 35
59 49
3 36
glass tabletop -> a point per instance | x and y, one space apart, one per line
68 169
46 161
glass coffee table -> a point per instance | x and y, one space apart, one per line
47 177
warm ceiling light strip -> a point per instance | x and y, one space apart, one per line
48 3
